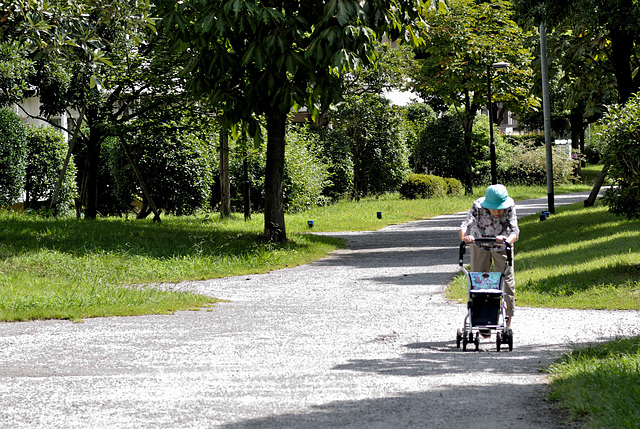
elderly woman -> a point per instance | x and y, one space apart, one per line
493 215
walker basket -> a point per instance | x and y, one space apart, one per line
485 298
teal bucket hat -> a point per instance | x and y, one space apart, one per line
496 198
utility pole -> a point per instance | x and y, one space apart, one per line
546 108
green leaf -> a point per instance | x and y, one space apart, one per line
237 6
345 9
329 9
207 23
105 60
260 57
290 63
269 42
315 50
338 60
250 54
95 82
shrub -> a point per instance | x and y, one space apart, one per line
536 139
108 201
46 152
306 175
256 163
176 165
12 157
621 135
440 148
423 186
480 149
455 187
416 116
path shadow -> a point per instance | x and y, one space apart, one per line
420 279
449 406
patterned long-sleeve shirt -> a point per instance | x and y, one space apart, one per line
481 223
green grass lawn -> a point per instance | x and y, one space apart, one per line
600 385
68 268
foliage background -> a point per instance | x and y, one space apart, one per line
45 156
12 156
621 133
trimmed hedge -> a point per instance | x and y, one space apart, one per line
455 186
428 186
176 164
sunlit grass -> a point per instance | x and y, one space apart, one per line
590 172
600 385
362 215
68 268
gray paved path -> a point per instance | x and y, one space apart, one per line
360 339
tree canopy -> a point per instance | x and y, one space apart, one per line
100 58
462 40
261 59
617 21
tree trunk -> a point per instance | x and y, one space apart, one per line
622 51
225 186
63 172
274 227
467 127
142 183
246 190
93 164
589 202
357 149
577 134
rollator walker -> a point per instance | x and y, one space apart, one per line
486 308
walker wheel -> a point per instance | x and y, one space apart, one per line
510 339
477 341
458 338
498 341
464 343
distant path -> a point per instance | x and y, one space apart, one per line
360 339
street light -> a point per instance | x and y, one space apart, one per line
492 144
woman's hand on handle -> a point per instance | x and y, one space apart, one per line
510 239
468 239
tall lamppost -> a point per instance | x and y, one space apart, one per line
492 144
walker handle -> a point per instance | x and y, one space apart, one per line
488 240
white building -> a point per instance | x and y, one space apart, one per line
29 112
